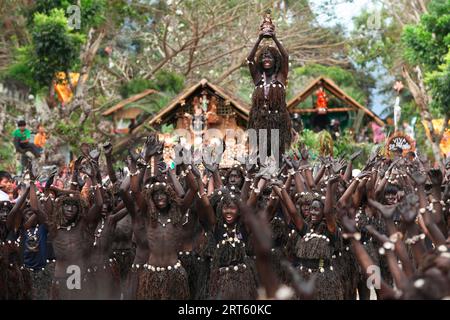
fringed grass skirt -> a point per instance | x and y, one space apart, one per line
198 271
163 285
227 283
41 282
328 284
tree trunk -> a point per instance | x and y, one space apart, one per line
422 100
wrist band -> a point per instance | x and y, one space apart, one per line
415 239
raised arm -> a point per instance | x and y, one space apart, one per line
34 203
251 61
436 178
388 250
12 221
252 199
363 258
329 204
135 185
94 212
176 184
258 226
206 211
189 197
400 248
284 59
296 217
116 217
320 174
75 174
107 148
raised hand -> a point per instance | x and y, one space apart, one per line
275 183
364 174
153 146
337 167
132 156
268 170
333 179
94 155
89 169
355 155
251 162
77 163
386 211
211 167
304 154
436 176
288 161
107 148
418 177
31 171
348 224
50 179
374 155
409 208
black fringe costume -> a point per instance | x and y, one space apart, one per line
41 281
15 280
233 273
163 285
279 238
371 246
196 264
314 256
271 112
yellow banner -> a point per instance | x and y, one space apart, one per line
445 142
62 87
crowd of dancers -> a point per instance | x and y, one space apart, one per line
302 229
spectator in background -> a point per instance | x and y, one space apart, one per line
5 184
22 142
40 138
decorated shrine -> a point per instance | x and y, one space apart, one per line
322 104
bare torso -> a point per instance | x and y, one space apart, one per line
71 248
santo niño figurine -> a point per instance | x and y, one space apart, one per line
267 27
269 71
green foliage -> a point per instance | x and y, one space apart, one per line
66 128
20 70
439 83
343 147
91 11
165 81
135 86
346 146
167 128
370 47
427 43
7 149
55 48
